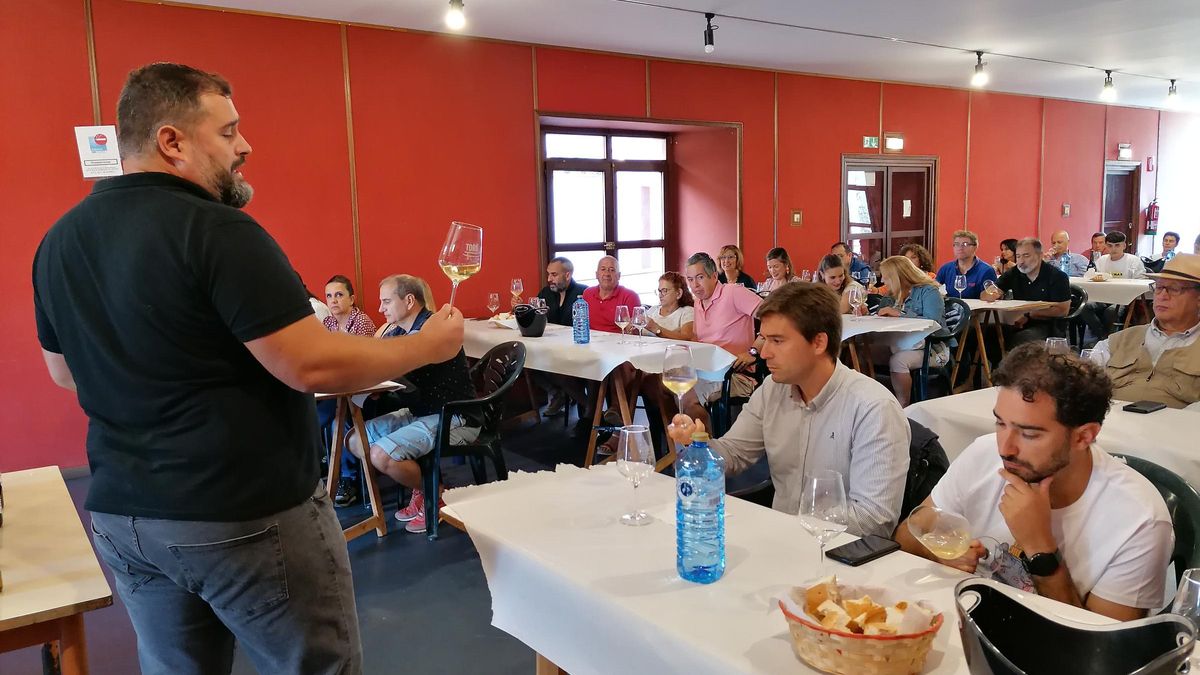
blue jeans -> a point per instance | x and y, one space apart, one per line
279 585
326 412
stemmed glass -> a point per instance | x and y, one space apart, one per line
1085 354
960 284
516 289
462 254
823 509
856 296
947 535
621 318
806 275
1057 345
678 374
635 461
493 303
639 322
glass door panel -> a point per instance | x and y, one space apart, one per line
640 270
639 205
864 200
909 196
577 206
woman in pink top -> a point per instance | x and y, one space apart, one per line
344 317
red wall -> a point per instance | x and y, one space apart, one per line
1140 128
444 129
704 177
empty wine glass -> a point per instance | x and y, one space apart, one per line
960 284
621 318
763 287
1057 345
462 254
516 289
635 461
856 296
678 375
639 322
493 303
1085 354
823 511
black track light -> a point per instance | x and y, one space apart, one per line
708 32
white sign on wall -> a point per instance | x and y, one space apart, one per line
98 153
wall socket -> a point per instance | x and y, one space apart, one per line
797 217
1066 210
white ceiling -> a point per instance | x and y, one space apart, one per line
1149 37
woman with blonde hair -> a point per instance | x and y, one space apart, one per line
731 261
912 295
779 267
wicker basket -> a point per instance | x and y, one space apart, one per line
852 654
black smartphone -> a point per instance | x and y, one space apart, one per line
862 551
1143 407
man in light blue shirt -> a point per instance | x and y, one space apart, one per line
1061 257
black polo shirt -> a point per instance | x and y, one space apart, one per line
561 314
149 287
1051 285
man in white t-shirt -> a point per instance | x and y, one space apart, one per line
1069 521
1118 263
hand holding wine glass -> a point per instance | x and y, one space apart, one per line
462 254
947 536
823 510
679 376
635 461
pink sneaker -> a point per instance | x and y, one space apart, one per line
416 525
415 508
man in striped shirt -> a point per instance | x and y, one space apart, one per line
814 413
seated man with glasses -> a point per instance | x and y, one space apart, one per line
1160 361
967 265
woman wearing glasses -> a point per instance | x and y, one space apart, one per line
673 316
731 261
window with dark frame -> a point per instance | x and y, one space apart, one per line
606 194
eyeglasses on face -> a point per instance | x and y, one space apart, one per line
1172 291
963 244
664 291
727 257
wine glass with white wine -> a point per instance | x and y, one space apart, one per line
621 318
856 296
947 535
516 288
823 512
679 376
462 254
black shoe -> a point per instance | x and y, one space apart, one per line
347 492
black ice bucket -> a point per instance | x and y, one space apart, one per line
532 322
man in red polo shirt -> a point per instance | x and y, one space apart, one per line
609 294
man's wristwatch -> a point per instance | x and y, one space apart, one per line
754 352
1041 564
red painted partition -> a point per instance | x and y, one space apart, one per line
1005 166
444 130
45 83
685 91
287 86
590 83
934 122
703 176
1073 169
820 119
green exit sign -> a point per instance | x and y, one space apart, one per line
871 142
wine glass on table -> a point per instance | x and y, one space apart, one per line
947 535
639 322
823 511
960 284
516 289
635 461
1057 345
856 296
493 303
621 318
462 254
806 275
679 376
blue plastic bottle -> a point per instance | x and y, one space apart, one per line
580 325
700 512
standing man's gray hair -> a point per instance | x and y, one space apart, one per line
702 258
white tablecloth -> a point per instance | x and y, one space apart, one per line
598 597
556 351
892 330
1167 437
1113 291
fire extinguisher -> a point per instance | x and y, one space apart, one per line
1152 216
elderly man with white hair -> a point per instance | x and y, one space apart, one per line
604 298
1059 255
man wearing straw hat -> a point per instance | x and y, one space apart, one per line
1160 361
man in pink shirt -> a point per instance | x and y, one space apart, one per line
724 317
604 299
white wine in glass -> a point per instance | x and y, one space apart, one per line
947 535
462 254
679 376
621 318
516 289
856 297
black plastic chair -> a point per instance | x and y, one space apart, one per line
722 411
958 318
1075 325
493 375
1183 503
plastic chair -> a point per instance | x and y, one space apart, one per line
1075 325
958 318
493 375
1183 503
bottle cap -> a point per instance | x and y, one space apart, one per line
700 436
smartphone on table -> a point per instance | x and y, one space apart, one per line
862 551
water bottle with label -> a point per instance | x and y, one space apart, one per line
700 512
1064 263
580 326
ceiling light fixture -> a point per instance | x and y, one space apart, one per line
455 19
1172 95
708 32
980 78
1109 92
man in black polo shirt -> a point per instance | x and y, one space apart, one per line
193 350
560 294
1032 281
